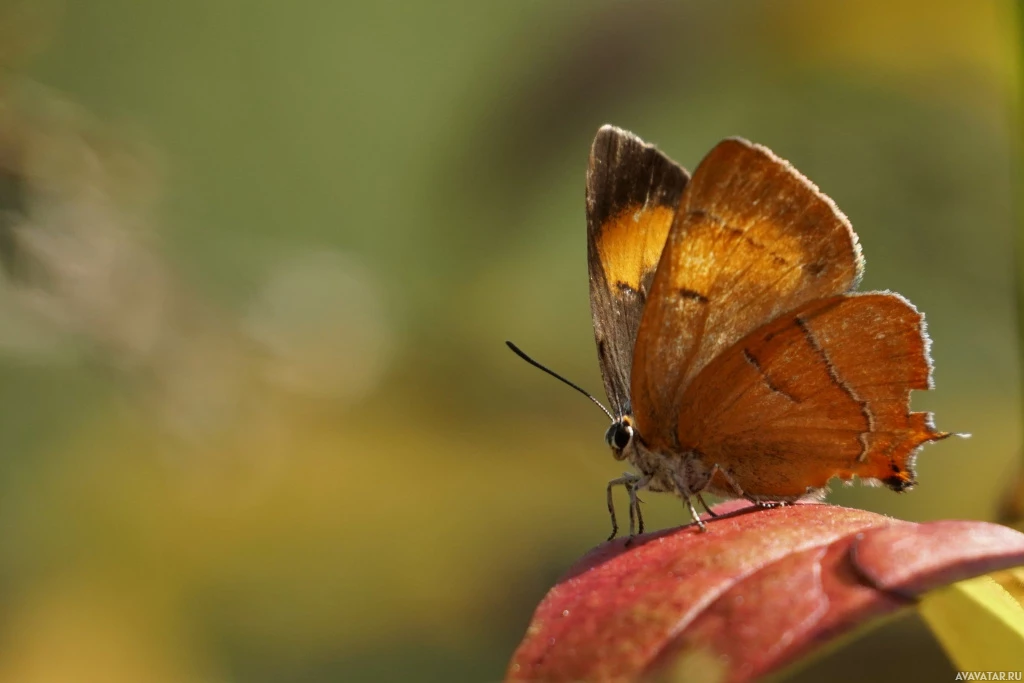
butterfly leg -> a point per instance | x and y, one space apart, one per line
703 503
769 504
716 469
740 493
684 492
633 510
693 512
634 504
626 480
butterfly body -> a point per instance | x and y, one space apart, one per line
735 354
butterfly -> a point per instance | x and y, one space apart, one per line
736 357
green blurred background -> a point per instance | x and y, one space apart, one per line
258 421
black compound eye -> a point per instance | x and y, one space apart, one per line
619 435
623 435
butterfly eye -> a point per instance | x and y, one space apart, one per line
618 437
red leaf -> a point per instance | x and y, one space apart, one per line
759 590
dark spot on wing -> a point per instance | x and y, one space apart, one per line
739 233
693 295
814 269
898 484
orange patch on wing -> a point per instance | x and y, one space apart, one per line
631 242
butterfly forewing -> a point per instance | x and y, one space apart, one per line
822 391
752 239
633 192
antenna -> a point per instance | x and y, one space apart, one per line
519 352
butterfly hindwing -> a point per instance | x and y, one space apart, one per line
752 239
633 192
822 391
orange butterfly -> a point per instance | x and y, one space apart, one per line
734 353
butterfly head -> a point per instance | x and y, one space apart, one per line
620 436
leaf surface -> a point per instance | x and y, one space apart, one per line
757 592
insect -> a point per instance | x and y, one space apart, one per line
736 357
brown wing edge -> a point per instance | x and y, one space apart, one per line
923 422
624 173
